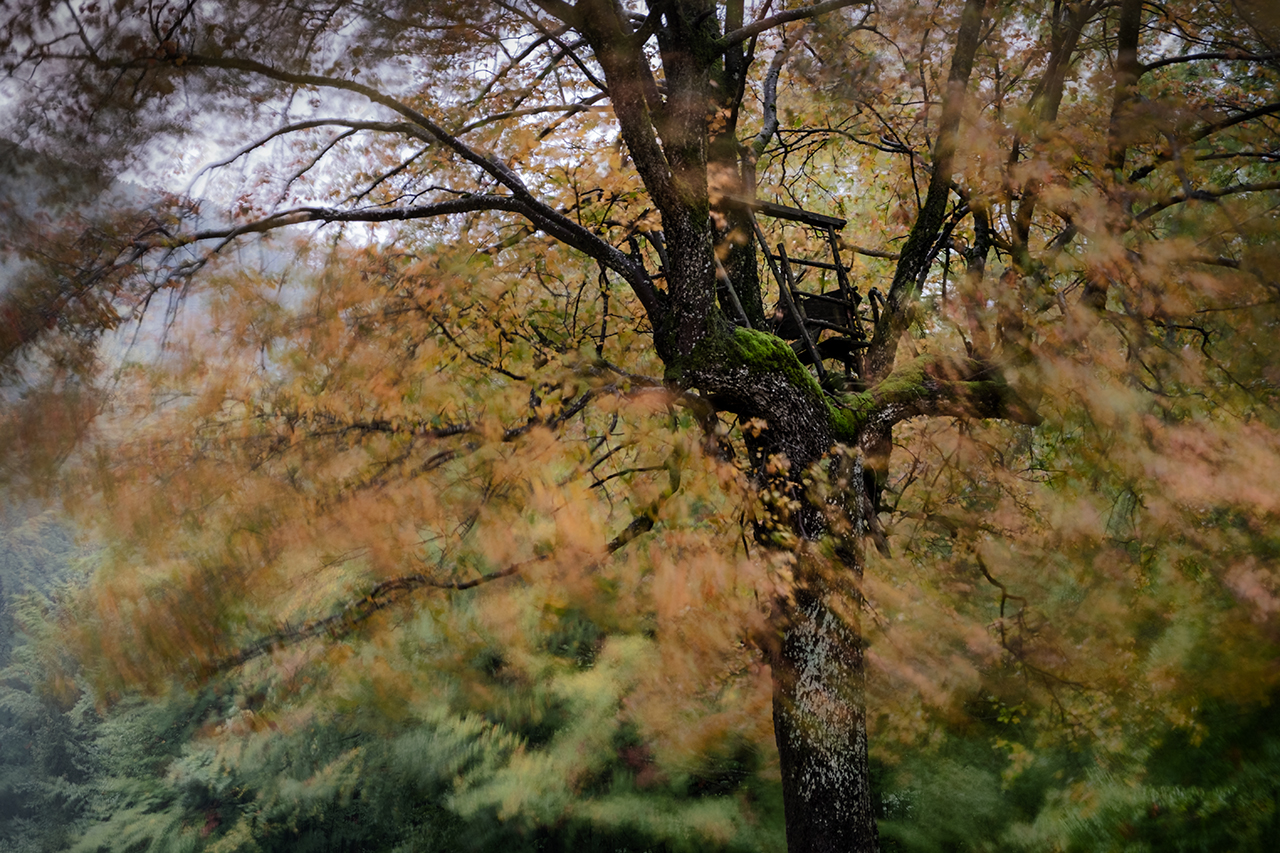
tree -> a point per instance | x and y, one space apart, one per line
1101 175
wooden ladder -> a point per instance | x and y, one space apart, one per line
806 316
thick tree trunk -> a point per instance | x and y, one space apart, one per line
819 712
819 719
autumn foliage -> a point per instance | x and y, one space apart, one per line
449 410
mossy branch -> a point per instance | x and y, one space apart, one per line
931 385
758 375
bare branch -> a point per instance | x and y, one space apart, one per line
1207 195
517 59
770 106
299 215
755 28
1229 55
539 213
1240 118
383 126
569 109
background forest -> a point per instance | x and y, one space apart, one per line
619 426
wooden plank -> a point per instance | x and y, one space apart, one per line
784 288
835 327
793 214
846 290
826 297
822 265
840 348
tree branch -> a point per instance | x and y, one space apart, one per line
938 385
630 81
299 215
1128 70
1231 55
916 252
1240 118
769 109
755 28
381 596
543 216
393 591
1207 195
569 109
384 126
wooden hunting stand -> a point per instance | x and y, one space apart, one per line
805 316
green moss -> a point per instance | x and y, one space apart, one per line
764 354
906 380
851 411
767 353
850 414
759 352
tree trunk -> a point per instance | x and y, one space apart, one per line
819 719
819 691
816 657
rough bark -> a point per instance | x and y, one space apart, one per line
819 720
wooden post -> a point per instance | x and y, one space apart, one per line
794 303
